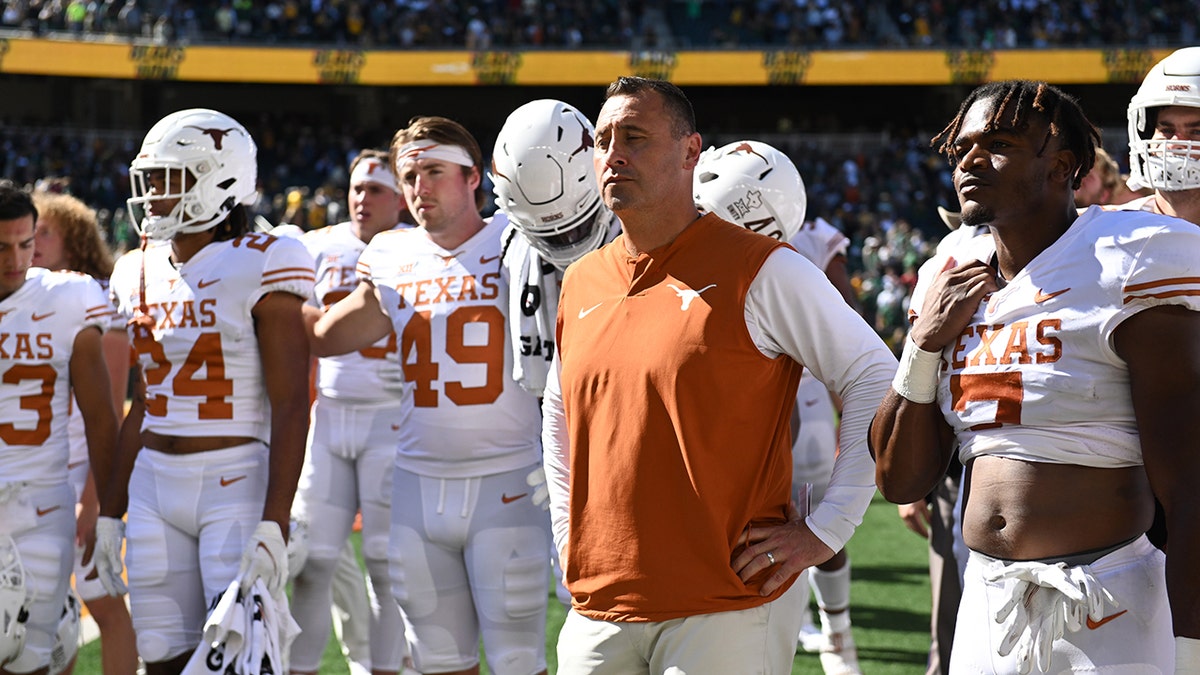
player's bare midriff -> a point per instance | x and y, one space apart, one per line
186 445
1018 510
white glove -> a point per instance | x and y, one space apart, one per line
265 558
1045 601
110 534
541 494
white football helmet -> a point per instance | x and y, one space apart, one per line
66 640
204 159
14 610
753 185
1163 164
545 181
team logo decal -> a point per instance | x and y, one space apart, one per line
217 135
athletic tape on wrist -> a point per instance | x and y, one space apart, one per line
917 377
1187 655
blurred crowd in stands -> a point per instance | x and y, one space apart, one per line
629 24
884 198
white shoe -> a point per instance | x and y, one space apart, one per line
357 668
839 655
811 639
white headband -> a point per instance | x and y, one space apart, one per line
375 171
427 149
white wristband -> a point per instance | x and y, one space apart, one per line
917 377
1187 655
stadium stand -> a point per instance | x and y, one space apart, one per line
635 24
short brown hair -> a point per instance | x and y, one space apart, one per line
441 130
683 116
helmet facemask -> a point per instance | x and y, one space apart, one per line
202 158
545 181
1165 164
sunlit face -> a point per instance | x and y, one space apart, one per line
637 156
164 182
373 207
999 169
439 193
1178 122
16 253
1179 126
1091 189
49 251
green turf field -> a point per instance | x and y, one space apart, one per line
889 604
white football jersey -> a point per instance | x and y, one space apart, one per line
449 308
819 241
38 326
368 375
1035 375
75 429
199 355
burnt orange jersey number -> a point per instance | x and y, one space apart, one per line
421 368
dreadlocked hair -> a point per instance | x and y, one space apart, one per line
1028 99
233 225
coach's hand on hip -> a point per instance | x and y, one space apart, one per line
786 549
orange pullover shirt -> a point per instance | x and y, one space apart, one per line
678 424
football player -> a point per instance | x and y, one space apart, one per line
1164 137
69 238
214 315
468 544
1058 356
545 185
352 437
51 327
755 185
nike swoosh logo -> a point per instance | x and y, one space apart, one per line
1041 296
589 310
508 500
205 283
1093 625
39 317
395 427
226 482
811 403
41 512
72 465
485 260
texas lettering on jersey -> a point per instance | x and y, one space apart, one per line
449 310
38 326
1019 342
194 333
